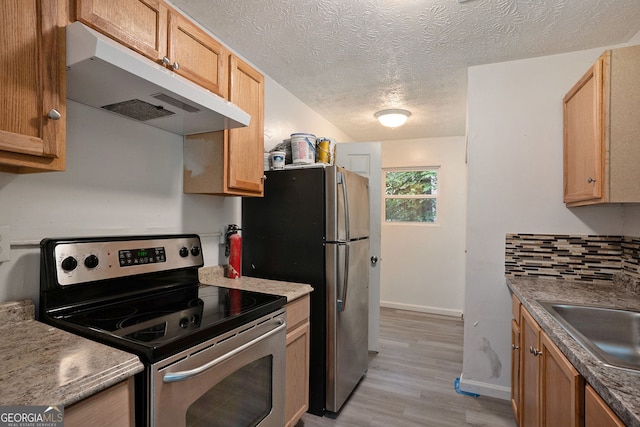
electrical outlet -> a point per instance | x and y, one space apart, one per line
5 243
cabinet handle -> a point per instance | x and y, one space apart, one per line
590 180
264 177
534 351
514 347
167 63
54 114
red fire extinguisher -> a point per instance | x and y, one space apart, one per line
233 250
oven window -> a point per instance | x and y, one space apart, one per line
242 399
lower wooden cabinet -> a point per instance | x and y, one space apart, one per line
297 375
597 412
529 370
546 389
561 388
515 356
113 407
515 367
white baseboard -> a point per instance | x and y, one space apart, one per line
422 309
485 389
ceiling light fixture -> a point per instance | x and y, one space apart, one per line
392 118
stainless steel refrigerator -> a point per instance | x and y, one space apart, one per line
312 226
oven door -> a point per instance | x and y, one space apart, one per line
234 380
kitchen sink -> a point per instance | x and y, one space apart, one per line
611 335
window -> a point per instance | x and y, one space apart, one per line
411 195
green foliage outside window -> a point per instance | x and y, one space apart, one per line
411 196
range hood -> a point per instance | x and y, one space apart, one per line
104 74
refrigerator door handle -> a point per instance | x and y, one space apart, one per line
342 180
342 301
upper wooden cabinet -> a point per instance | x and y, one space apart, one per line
246 145
155 30
195 55
33 115
601 128
230 162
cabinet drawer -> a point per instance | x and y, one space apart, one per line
297 312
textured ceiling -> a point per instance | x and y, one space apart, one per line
347 59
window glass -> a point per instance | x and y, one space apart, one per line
411 195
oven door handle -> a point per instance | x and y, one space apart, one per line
185 375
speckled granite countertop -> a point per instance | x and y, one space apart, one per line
619 388
44 365
215 276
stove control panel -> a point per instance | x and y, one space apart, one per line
86 260
130 257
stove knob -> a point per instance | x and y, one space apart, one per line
69 263
195 251
184 322
184 252
91 261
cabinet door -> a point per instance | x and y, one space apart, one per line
297 376
32 118
561 388
111 407
529 371
195 55
597 412
297 385
584 137
246 145
515 368
137 24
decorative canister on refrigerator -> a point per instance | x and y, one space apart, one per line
303 148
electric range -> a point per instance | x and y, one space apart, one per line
141 294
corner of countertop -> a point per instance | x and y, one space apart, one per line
214 275
43 364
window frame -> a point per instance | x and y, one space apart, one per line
435 196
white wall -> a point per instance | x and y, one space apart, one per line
284 114
423 265
123 177
515 186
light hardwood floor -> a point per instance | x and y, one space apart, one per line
410 382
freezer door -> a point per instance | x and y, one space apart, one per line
347 319
347 205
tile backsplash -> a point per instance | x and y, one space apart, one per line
583 258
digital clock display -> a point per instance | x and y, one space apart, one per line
143 256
